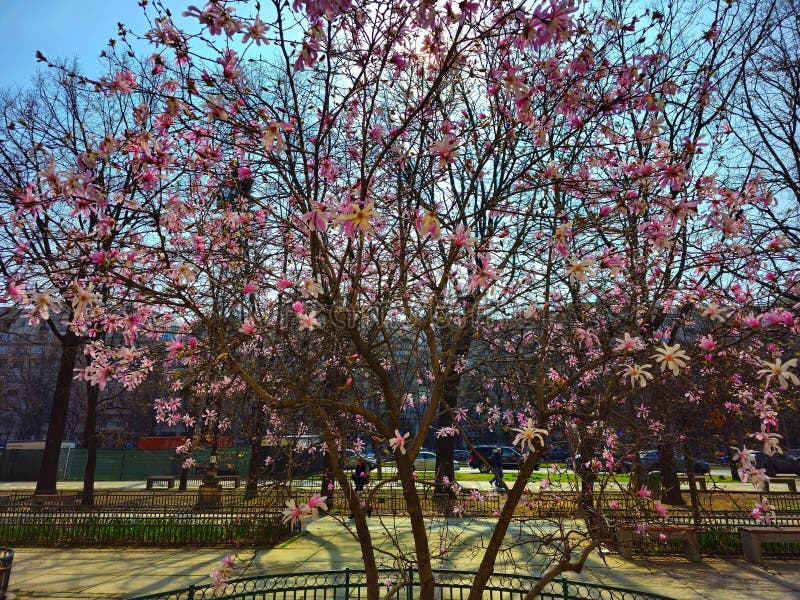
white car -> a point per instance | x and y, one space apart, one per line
426 461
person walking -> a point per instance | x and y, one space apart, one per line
496 462
360 474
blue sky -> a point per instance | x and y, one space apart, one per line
63 29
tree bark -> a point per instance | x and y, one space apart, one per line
90 441
460 348
486 568
257 451
586 497
670 487
421 547
48 473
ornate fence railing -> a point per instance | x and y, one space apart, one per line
171 517
6 561
352 585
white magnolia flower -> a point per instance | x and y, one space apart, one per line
780 371
579 269
637 374
526 436
671 357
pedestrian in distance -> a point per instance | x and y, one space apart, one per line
496 462
360 474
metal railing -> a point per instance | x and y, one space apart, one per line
350 584
6 560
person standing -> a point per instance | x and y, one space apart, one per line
496 461
360 474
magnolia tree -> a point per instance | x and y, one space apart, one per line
341 207
65 186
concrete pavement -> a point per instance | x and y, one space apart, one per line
328 544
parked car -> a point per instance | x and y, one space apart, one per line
461 456
620 465
426 461
558 454
650 461
777 464
511 458
350 460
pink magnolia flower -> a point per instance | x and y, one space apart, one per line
462 239
307 321
84 297
272 140
445 149
316 504
294 514
44 303
317 218
398 441
16 291
358 220
707 342
644 492
429 223
628 344
248 327
763 512
661 509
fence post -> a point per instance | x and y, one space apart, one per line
346 582
410 590
191 593
564 589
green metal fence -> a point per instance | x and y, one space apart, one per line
140 519
349 584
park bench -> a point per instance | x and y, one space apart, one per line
53 501
753 537
791 483
687 535
236 479
699 481
168 479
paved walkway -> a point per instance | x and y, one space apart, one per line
105 574
72 574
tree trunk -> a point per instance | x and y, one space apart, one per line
586 497
732 464
257 451
48 473
489 560
670 487
445 444
693 495
421 547
90 441
460 348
